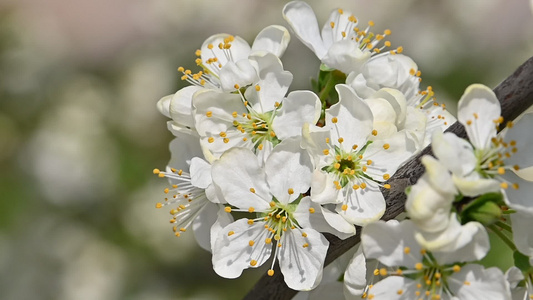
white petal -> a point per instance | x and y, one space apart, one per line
427 208
180 107
182 149
514 275
387 242
361 86
346 56
239 50
314 140
221 106
489 284
323 190
302 19
240 73
364 205
390 71
354 117
236 173
390 287
415 126
324 220
384 117
163 105
387 161
200 173
223 220
302 213
355 275
341 228
201 226
273 39
522 233
302 266
473 185
479 100
519 199
438 175
397 100
471 243
521 133
299 108
273 82
288 167
213 149
232 252
454 152
341 24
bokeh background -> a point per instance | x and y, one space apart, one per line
80 133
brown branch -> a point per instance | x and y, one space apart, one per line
515 94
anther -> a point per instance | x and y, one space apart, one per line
253 262
290 191
231 233
227 209
251 243
334 120
311 210
386 176
270 272
386 146
374 132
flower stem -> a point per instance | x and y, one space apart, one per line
504 226
324 93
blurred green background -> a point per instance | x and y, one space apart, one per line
80 133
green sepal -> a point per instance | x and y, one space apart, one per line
484 209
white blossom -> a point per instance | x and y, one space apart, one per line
341 45
273 192
412 272
350 167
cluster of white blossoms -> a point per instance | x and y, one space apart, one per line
259 173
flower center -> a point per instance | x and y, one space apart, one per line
347 166
278 220
257 127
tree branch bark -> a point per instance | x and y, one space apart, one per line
515 94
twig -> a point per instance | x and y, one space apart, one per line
515 94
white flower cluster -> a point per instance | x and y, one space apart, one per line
257 172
